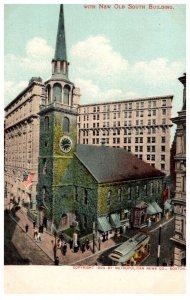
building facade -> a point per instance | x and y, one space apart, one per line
141 126
179 200
22 144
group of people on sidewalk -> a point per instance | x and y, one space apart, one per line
62 245
36 235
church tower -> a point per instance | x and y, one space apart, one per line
58 138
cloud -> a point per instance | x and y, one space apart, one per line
38 48
12 89
96 58
36 60
93 93
157 72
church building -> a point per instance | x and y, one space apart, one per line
89 184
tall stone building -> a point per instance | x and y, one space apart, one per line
179 201
22 144
141 126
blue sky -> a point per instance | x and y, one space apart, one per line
113 53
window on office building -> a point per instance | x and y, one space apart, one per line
141 140
152 157
163 121
129 140
163 102
148 157
130 105
163 148
125 114
140 148
162 167
148 139
136 148
163 157
136 140
114 115
148 148
125 140
153 148
104 116
137 113
94 109
163 139
129 148
153 139
94 141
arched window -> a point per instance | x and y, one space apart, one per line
44 166
44 194
66 95
66 124
57 92
46 123
48 94
119 196
85 196
129 193
109 198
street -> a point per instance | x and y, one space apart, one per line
19 249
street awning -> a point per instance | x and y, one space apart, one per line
115 220
157 207
103 224
151 210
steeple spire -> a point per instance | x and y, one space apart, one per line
59 62
60 50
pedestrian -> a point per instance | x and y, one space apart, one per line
59 244
26 228
56 262
61 236
64 248
38 237
71 244
87 244
76 248
83 247
106 236
35 234
34 224
99 243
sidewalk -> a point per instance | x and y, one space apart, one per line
48 240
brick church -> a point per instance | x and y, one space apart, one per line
88 184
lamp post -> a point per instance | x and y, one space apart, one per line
159 245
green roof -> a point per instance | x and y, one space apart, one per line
60 50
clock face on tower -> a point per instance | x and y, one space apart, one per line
65 144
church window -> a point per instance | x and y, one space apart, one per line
57 92
49 94
46 123
137 190
44 194
129 193
85 196
66 95
66 124
109 198
44 166
119 196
